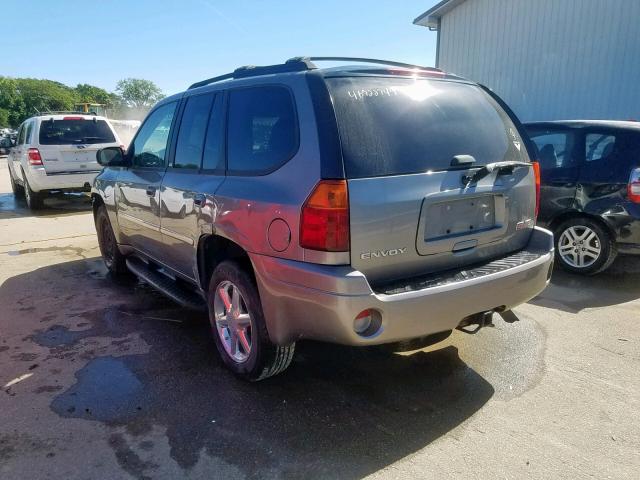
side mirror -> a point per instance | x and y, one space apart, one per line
111 157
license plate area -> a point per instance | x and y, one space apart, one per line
79 156
461 223
465 216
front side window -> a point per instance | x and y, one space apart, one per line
150 145
262 129
192 132
554 149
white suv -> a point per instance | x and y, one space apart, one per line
57 151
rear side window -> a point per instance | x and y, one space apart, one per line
193 128
69 132
21 135
599 146
262 131
213 158
609 156
394 126
555 149
28 135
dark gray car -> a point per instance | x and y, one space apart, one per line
361 205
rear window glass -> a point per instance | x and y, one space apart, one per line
67 132
394 126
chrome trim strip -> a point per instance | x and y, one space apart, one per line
177 236
72 172
137 221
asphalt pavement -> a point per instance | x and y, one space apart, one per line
107 379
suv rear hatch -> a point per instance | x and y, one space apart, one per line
413 208
69 144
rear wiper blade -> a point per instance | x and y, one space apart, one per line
490 167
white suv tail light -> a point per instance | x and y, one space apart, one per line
35 159
633 188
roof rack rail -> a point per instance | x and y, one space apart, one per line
299 64
64 112
366 60
292 65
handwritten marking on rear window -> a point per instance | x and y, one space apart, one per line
372 92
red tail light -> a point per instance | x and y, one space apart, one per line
633 188
72 118
536 172
324 221
34 156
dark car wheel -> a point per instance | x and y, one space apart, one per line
35 200
113 259
238 325
584 246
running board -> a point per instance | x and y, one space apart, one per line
165 285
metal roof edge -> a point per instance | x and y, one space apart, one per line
431 16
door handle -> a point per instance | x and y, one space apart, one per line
199 199
151 191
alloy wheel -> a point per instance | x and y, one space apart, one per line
579 246
232 321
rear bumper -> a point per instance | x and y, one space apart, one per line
39 179
302 300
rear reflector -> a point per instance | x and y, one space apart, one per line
34 156
324 221
633 188
536 172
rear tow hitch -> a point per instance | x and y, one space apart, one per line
473 323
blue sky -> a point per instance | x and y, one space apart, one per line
177 43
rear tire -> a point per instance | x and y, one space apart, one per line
113 259
34 199
238 325
17 190
584 246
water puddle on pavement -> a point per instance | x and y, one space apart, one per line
106 390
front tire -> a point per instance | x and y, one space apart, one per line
113 259
584 246
239 328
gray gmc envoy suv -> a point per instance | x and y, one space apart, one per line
370 204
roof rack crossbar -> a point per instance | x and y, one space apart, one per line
63 112
298 64
370 60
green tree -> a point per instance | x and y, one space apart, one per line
138 93
44 95
90 94
11 103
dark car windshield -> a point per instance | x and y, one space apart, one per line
394 126
67 132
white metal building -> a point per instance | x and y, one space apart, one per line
548 59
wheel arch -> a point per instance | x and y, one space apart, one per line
96 203
563 217
214 249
